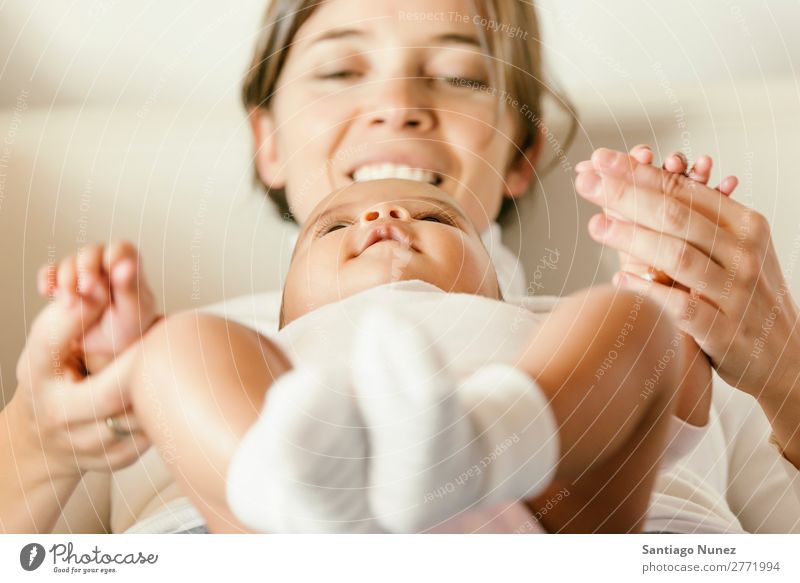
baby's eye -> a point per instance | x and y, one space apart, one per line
332 228
442 217
432 218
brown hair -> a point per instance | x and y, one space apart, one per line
515 52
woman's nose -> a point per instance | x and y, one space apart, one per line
385 211
399 104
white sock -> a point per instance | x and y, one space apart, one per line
420 441
302 467
517 429
438 448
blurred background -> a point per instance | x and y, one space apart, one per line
121 120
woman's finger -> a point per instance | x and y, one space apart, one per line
118 454
50 343
701 170
102 395
690 311
91 438
681 261
676 163
634 176
660 213
728 185
642 153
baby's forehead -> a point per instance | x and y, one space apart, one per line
358 196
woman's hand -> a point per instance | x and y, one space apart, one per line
66 412
734 301
677 164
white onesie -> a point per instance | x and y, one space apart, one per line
467 333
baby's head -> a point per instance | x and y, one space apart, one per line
379 231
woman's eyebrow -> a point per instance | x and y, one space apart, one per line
447 38
337 33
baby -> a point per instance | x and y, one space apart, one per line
399 373
409 375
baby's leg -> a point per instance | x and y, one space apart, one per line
198 387
612 498
595 357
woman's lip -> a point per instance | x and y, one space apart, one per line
387 232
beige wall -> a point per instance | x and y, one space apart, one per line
131 129
184 52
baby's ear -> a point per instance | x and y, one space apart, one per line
265 144
522 169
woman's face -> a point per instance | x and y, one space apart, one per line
389 89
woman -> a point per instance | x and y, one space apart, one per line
365 89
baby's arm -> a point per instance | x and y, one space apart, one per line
197 387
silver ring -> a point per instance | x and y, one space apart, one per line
117 430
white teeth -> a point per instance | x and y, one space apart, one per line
387 170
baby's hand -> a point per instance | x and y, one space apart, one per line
111 276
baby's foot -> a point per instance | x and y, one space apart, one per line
302 467
111 275
439 447
422 445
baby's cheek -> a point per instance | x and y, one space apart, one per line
475 270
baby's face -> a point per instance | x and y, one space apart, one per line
379 231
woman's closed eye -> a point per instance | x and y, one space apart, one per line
346 68
338 75
465 82
460 70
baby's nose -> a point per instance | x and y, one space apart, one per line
386 211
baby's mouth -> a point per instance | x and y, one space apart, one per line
387 233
